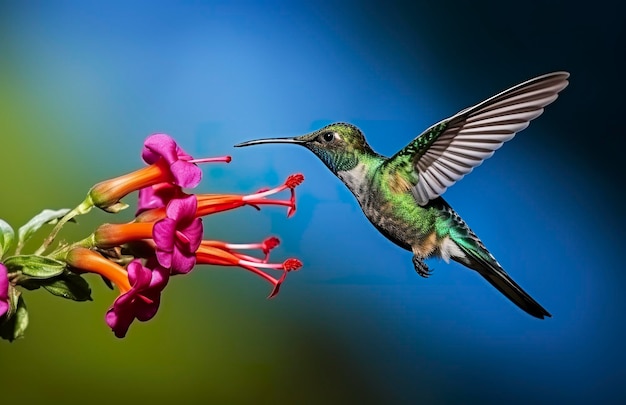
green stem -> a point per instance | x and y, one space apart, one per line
81 209
87 243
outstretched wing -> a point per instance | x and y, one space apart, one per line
450 149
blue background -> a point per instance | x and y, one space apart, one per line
82 84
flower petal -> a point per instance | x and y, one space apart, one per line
186 174
178 236
164 258
4 290
119 322
138 275
160 276
194 232
163 234
182 263
182 209
158 146
144 311
157 196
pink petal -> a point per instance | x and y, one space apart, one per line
145 311
4 290
181 209
157 196
4 308
180 219
159 146
138 276
163 234
119 322
182 263
194 233
164 258
186 174
160 276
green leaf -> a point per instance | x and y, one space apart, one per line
70 286
14 295
44 217
6 237
15 324
39 267
21 319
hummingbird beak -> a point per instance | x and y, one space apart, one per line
271 140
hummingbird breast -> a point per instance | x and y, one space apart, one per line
395 214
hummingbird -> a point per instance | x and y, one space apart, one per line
401 195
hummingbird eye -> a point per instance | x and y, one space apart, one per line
328 136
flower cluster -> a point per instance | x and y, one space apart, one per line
164 239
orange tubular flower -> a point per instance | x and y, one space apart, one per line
112 235
107 194
89 261
212 203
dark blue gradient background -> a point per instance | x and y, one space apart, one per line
84 83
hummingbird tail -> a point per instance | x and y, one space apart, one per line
497 277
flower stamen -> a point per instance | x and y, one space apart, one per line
216 253
219 159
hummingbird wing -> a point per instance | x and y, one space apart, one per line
450 149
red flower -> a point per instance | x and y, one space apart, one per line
212 203
224 254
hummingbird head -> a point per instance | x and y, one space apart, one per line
338 145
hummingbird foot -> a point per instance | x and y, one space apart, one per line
420 267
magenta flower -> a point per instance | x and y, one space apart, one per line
168 163
161 146
178 235
143 299
157 196
4 290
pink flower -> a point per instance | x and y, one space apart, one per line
161 146
175 236
178 236
139 286
142 301
4 290
157 196
168 164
